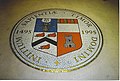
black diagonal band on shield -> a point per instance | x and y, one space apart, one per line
44 39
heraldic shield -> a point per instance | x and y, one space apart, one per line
56 36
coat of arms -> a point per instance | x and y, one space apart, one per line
55 37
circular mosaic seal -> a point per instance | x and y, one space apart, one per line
56 40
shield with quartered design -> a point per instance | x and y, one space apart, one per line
56 36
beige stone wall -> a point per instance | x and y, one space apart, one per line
103 12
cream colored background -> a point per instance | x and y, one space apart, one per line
103 12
